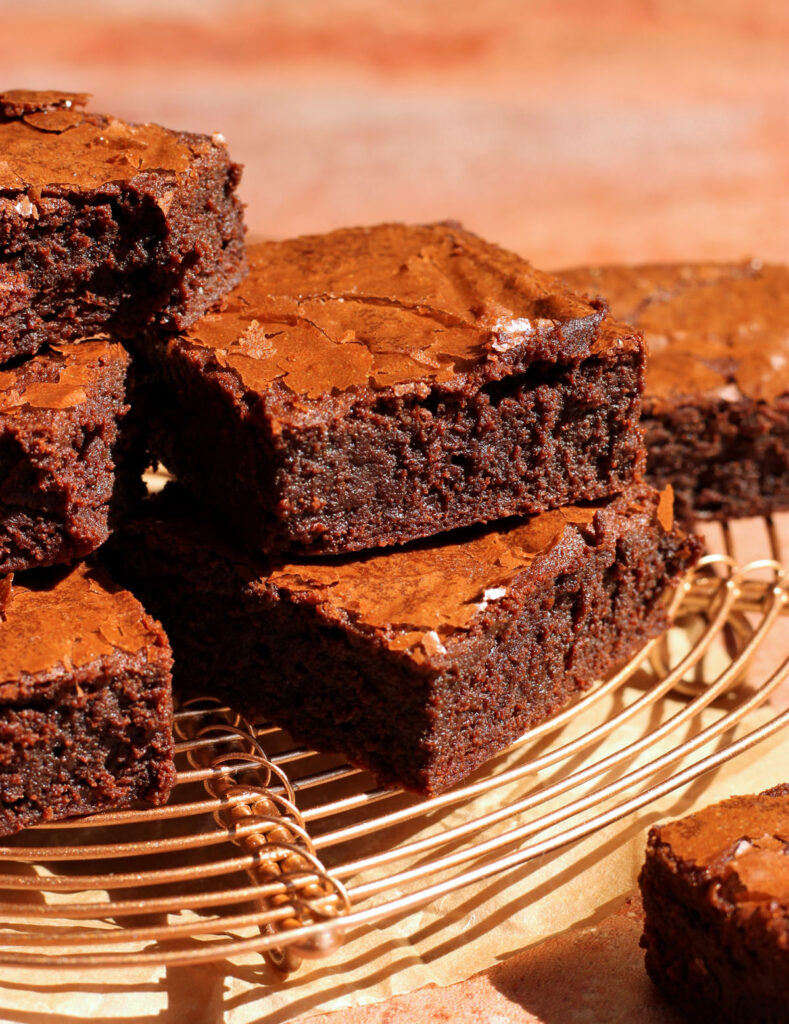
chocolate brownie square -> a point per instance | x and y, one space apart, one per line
716 402
375 385
108 226
422 662
716 896
71 456
85 698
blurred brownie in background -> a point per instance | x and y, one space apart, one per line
716 402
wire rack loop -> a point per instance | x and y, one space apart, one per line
279 840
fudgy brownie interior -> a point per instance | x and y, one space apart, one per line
71 453
85 698
420 662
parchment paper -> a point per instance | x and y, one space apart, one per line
443 942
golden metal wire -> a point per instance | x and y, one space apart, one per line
267 846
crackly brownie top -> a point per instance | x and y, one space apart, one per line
47 140
714 329
743 842
56 621
58 379
393 306
419 598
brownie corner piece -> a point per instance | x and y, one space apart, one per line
85 698
419 662
371 386
71 453
715 888
107 225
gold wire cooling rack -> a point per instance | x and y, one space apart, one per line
268 846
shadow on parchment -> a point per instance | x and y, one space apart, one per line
203 994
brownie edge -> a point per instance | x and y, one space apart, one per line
716 402
71 453
715 888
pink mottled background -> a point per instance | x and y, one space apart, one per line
566 129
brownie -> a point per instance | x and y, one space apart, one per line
106 225
421 662
71 455
716 402
375 385
716 898
85 698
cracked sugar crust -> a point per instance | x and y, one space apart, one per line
19 102
76 617
715 886
427 597
740 844
63 379
394 306
47 141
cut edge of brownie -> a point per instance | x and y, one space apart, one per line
725 460
387 469
71 452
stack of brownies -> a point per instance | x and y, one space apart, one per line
108 229
410 520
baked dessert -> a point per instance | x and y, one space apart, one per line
374 385
70 454
85 698
715 887
422 662
716 402
108 226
